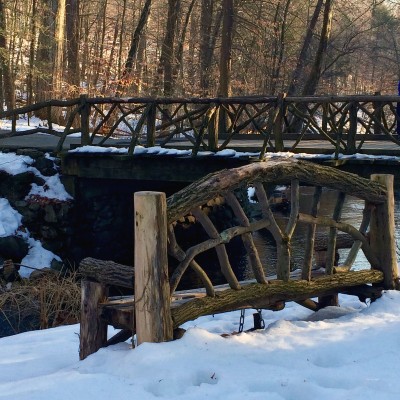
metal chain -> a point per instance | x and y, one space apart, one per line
241 320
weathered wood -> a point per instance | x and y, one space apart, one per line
351 257
84 110
277 171
222 254
331 250
324 221
382 233
264 296
93 330
152 293
176 252
107 272
310 236
247 238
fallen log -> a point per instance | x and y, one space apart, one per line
108 272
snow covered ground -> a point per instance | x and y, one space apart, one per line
299 356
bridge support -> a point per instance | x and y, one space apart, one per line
382 233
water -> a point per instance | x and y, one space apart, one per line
352 214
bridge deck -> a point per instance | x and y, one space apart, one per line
48 143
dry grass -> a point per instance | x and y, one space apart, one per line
45 302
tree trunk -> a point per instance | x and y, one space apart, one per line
295 80
8 81
315 73
133 49
225 62
72 30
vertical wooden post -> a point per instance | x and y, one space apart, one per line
382 232
14 123
351 137
378 110
85 113
213 126
93 331
278 122
151 126
325 108
152 291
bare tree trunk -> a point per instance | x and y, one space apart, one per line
293 87
45 53
178 68
207 8
167 51
315 73
29 80
279 46
8 81
133 50
225 63
72 30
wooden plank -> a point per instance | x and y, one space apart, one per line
152 293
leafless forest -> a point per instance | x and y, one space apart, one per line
63 48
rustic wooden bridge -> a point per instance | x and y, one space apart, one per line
158 309
325 124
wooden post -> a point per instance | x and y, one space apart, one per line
378 110
152 291
213 126
85 112
382 232
351 138
151 125
278 122
14 123
49 119
93 331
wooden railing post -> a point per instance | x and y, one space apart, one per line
351 138
278 122
382 233
151 125
213 127
93 330
85 113
152 291
378 110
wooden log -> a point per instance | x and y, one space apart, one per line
222 254
264 296
277 171
93 330
152 292
247 238
107 272
382 233
151 126
310 238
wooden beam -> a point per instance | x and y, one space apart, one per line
264 296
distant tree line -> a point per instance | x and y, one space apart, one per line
62 48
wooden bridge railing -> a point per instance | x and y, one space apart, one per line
345 122
158 309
